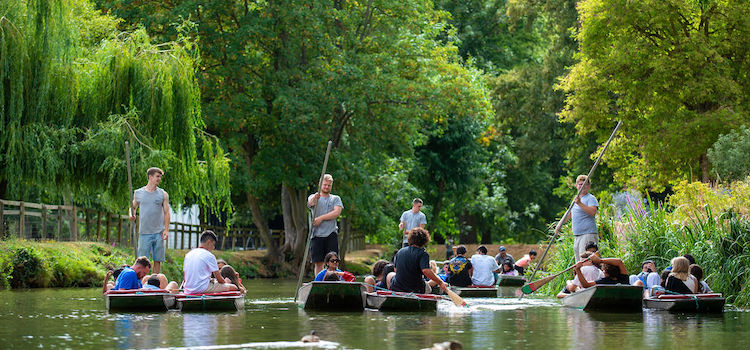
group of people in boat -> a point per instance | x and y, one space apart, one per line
202 273
683 276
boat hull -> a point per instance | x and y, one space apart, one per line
139 301
333 296
703 303
510 281
476 292
621 298
227 301
396 301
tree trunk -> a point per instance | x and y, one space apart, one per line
296 226
345 230
704 169
261 223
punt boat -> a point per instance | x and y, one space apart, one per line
224 301
398 301
510 281
139 300
333 296
618 297
474 291
713 302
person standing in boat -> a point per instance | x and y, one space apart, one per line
325 231
485 268
583 214
153 228
411 264
460 269
200 265
411 219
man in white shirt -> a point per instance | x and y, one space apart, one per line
412 219
485 268
588 270
200 265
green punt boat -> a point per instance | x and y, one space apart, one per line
333 296
618 297
397 301
149 300
713 302
476 291
510 281
225 301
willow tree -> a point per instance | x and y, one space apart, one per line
73 90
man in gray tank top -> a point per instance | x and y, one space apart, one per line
153 229
411 219
583 214
325 231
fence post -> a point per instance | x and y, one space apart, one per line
44 222
58 234
22 221
119 230
109 226
98 224
74 234
2 220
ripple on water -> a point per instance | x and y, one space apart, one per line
263 345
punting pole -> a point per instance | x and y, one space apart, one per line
131 211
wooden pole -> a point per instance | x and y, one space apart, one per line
309 237
44 222
109 226
58 234
22 221
131 227
98 224
74 234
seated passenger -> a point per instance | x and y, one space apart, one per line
376 280
331 263
200 265
588 270
163 284
108 285
221 263
411 263
230 274
524 263
613 268
648 276
460 269
508 269
697 272
484 268
130 278
445 272
680 281
330 276
152 282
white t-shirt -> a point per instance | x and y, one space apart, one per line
198 266
692 283
590 272
483 265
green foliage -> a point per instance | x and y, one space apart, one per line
672 71
730 154
73 90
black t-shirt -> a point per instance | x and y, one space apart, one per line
674 284
459 276
409 262
621 279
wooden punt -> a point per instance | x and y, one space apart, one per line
398 301
333 296
510 281
713 302
473 291
619 297
509 292
150 300
224 301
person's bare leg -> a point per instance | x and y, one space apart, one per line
162 281
388 279
157 266
172 286
319 267
369 284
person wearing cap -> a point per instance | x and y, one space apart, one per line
460 269
411 219
648 276
502 257
583 216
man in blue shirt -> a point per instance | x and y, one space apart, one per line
130 277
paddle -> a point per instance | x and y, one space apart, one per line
309 236
588 178
529 288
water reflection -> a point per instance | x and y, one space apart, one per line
200 329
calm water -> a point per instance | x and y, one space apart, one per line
76 318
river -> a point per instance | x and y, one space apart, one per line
77 319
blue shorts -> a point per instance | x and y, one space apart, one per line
151 243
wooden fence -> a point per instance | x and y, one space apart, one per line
35 221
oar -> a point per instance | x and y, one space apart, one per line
309 236
588 179
529 288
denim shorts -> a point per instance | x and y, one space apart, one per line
151 243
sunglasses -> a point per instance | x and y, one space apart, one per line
334 260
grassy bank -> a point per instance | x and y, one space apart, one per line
720 243
29 264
